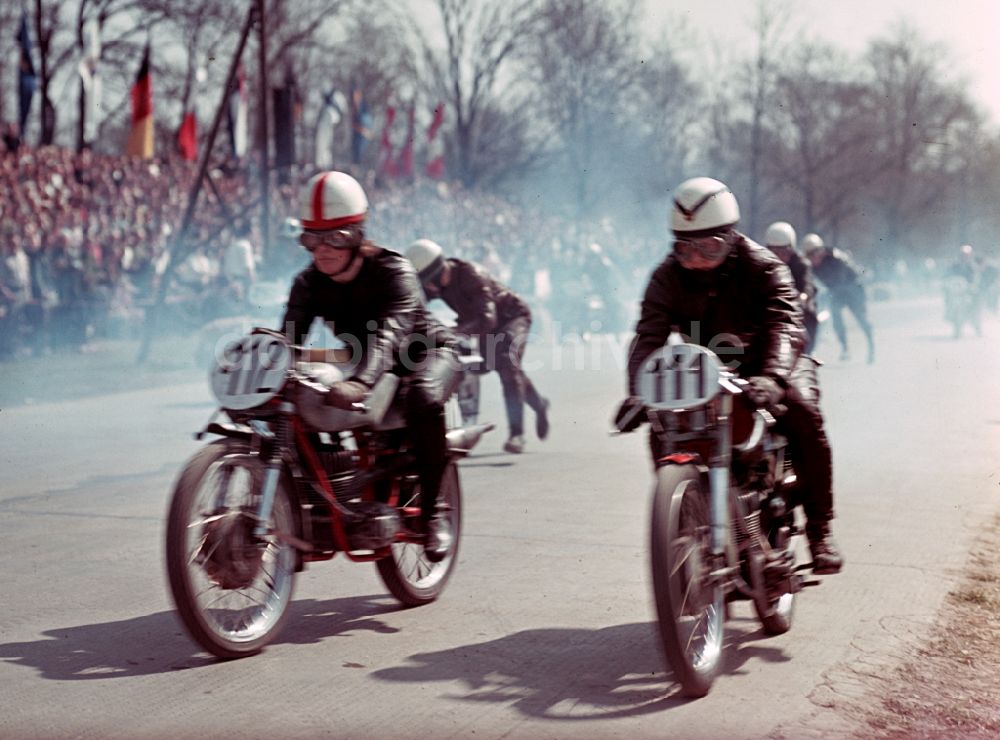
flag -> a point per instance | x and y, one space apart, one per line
361 125
187 137
27 81
330 115
386 164
92 88
140 140
236 114
404 165
284 125
435 150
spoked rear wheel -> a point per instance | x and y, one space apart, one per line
689 604
407 572
232 589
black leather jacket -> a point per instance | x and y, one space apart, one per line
746 310
836 271
481 302
804 283
381 311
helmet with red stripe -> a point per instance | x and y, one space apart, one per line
332 200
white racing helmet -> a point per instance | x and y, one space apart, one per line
812 243
780 234
332 200
427 258
703 204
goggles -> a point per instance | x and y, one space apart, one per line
707 247
336 238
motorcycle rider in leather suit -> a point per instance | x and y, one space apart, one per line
370 297
780 239
491 311
720 288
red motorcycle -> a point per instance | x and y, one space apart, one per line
291 481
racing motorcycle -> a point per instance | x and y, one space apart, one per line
290 480
723 525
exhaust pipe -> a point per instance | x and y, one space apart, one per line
463 439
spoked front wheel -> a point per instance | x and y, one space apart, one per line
232 588
407 572
689 602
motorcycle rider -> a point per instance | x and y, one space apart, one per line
717 283
370 297
964 303
842 278
491 311
780 239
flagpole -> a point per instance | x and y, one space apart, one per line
177 240
265 165
83 93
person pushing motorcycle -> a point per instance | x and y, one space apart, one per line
500 319
726 292
842 279
370 297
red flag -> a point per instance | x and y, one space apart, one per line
387 165
435 151
187 137
404 166
140 140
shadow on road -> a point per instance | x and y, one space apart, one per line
157 643
482 460
573 674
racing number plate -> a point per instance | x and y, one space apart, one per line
679 376
250 371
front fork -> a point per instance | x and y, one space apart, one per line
282 433
718 479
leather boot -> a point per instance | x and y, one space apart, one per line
827 559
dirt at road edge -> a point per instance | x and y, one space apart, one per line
949 686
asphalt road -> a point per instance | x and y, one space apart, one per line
547 627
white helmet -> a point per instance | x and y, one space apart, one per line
812 243
331 200
780 234
427 258
703 204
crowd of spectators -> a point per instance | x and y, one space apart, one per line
84 239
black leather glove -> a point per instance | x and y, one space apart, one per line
630 414
763 391
344 393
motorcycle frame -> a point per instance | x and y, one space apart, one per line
290 434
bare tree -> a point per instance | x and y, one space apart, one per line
921 112
10 15
823 116
481 37
582 60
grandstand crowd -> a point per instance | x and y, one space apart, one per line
85 237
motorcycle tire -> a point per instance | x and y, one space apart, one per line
407 572
775 615
690 608
232 589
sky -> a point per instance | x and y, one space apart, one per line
969 28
